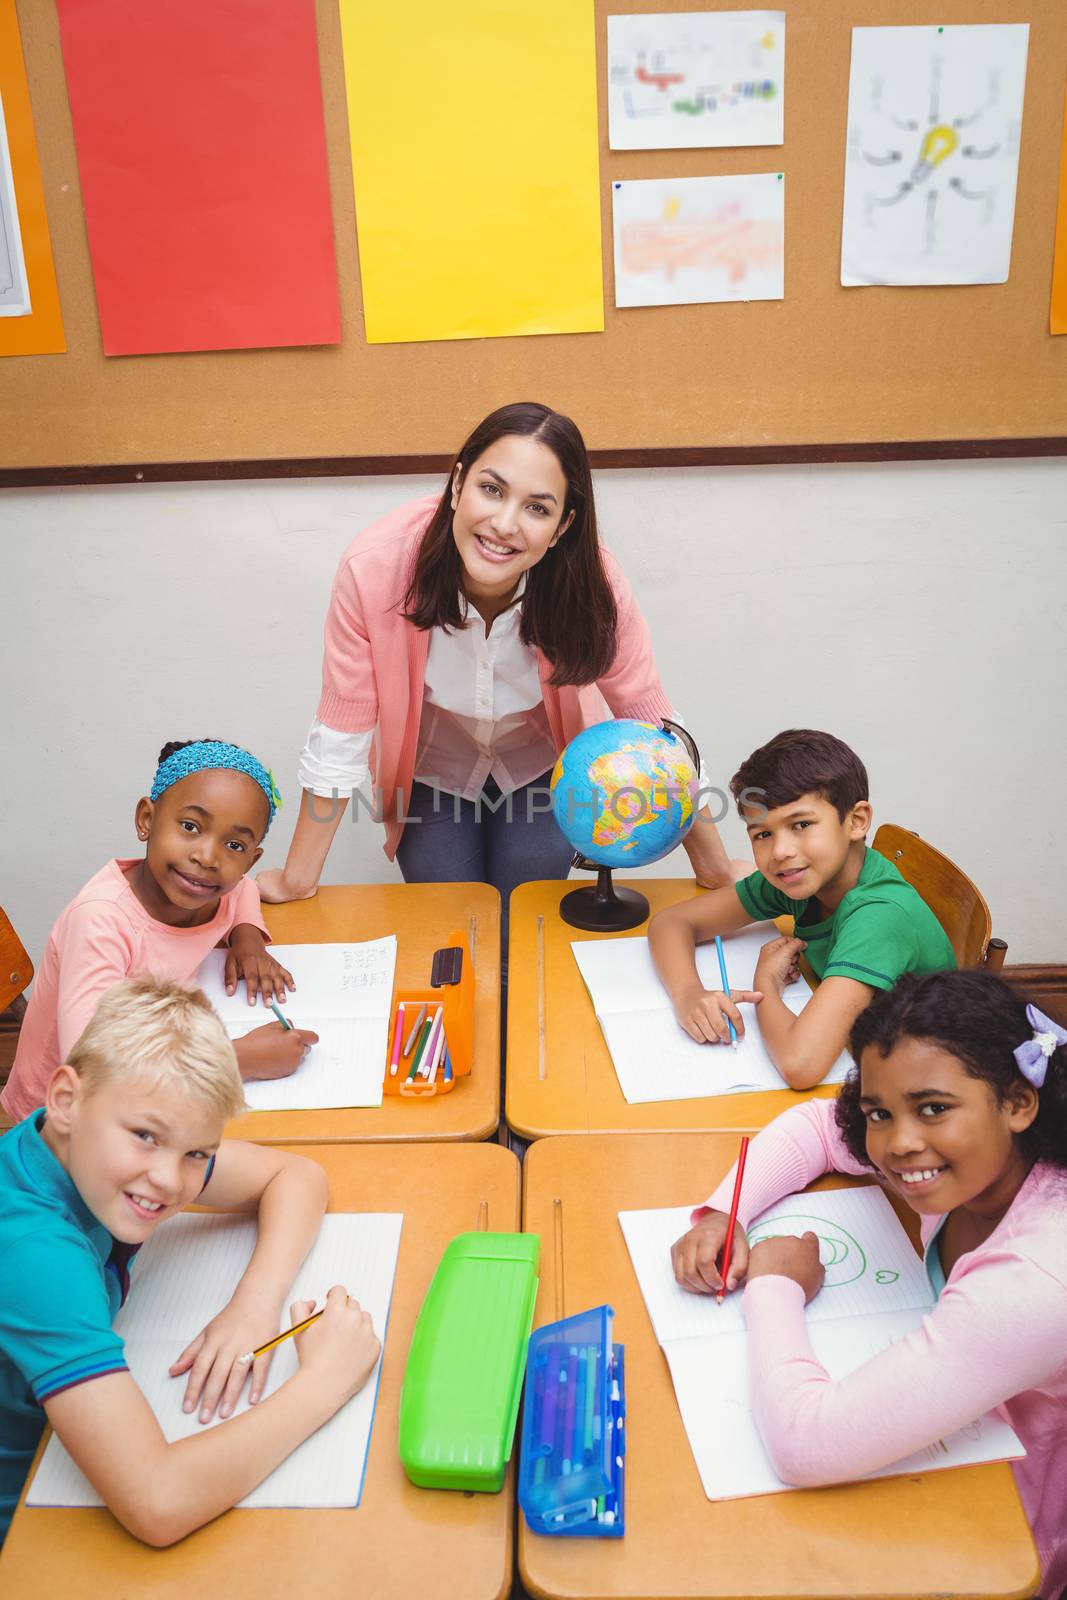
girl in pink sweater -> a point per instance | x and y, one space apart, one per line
470 636
960 1106
161 914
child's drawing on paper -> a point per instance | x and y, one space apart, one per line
688 79
934 118
686 240
14 288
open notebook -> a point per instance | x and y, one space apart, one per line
875 1292
343 993
654 1057
181 1279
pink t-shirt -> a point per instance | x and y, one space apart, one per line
103 936
997 1338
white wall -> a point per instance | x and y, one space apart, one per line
916 610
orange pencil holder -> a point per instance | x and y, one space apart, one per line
457 1001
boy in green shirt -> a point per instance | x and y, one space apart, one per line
804 799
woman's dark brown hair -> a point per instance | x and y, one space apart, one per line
568 608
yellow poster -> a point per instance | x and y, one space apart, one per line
475 161
1058 315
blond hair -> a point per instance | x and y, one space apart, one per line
145 1026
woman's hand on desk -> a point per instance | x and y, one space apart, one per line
695 1256
706 1014
275 888
787 1257
340 1349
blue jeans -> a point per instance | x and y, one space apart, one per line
463 841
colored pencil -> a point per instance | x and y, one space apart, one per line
720 952
394 1054
424 1039
427 1059
413 1035
281 1016
728 1242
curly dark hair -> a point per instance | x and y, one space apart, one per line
977 1019
182 744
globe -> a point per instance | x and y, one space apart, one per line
624 793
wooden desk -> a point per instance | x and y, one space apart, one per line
952 1533
421 915
579 1092
402 1541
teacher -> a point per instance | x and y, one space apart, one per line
469 639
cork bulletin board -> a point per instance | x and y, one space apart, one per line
826 373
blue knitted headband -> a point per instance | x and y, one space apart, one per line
206 754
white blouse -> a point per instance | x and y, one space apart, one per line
482 716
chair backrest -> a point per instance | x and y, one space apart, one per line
955 901
16 968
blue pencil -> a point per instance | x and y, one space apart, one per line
725 983
281 1016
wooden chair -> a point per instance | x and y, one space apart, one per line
954 900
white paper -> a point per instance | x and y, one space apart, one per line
934 120
343 994
876 1291
14 285
683 241
181 1279
654 1058
687 79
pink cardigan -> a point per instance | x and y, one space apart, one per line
374 663
997 1337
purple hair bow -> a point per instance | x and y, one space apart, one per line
1032 1056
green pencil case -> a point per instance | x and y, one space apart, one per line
465 1367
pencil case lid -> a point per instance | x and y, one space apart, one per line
573 1439
463 1377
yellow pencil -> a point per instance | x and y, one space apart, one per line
298 1327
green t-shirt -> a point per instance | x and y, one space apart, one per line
881 929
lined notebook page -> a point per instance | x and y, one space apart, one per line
654 1058
869 1260
181 1279
875 1292
343 993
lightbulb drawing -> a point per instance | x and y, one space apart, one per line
938 144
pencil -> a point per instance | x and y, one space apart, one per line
728 1242
394 1053
413 1035
280 1014
720 952
298 1327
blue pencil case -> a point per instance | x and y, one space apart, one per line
571 1463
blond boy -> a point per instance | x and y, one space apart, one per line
130 1132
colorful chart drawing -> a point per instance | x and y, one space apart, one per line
699 239
689 79
30 319
842 1256
14 287
934 125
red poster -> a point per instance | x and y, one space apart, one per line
202 155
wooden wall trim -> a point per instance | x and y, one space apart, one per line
679 456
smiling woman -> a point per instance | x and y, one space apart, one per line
476 634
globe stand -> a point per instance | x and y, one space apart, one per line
600 907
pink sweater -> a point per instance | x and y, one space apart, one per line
997 1337
103 936
374 663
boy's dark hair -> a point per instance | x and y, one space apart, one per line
979 1020
568 608
801 761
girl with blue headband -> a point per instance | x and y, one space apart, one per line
202 822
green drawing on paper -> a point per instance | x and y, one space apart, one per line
842 1255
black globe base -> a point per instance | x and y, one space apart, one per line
601 908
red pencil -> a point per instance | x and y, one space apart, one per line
728 1242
